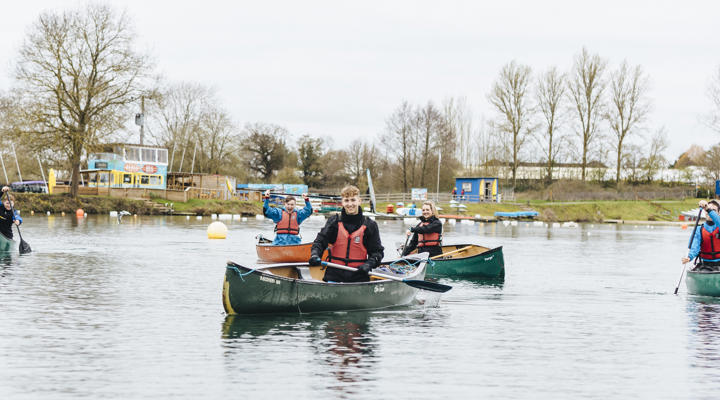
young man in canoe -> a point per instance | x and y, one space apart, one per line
427 235
355 241
7 217
287 219
706 242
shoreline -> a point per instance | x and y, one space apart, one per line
661 212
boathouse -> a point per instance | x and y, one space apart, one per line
476 190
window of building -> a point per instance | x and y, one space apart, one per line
148 155
132 154
162 156
155 180
144 179
127 178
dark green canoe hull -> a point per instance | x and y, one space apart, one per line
262 292
489 264
7 244
703 283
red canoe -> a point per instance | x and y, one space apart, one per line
267 252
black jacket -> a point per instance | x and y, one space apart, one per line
434 226
371 241
6 221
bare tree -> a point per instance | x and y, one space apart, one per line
77 72
310 153
712 163
217 137
629 105
713 119
586 87
400 136
655 159
510 98
549 93
265 145
430 124
180 110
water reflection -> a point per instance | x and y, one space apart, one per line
342 344
346 346
705 324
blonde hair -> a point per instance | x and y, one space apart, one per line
433 209
350 191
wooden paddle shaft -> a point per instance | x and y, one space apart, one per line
450 252
346 268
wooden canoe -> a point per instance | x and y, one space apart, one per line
267 252
472 261
7 244
298 288
703 283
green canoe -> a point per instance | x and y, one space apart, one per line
7 244
703 283
468 261
298 288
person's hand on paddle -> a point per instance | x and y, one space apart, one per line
305 197
366 268
314 260
409 232
266 195
703 204
685 260
5 189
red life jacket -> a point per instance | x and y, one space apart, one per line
288 224
710 244
348 248
428 239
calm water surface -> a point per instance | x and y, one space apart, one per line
133 310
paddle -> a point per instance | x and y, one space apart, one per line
689 246
451 252
319 196
24 247
430 286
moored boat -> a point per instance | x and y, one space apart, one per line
7 244
703 283
468 261
298 288
267 252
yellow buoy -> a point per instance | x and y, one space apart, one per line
217 230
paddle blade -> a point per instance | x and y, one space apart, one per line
424 285
24 247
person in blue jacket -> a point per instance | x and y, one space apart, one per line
706 240
7 217
287 219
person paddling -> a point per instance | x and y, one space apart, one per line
706 242
7 217
287 219
427 235
355 241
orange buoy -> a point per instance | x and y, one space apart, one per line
79 213
684 226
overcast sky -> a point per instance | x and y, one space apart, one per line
338 69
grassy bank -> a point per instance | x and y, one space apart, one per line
57 203
585 211
207 207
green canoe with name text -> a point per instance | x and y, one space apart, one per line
299 288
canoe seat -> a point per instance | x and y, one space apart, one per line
304 274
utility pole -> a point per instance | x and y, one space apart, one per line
7 181
437 188
47 189
140 119
17 164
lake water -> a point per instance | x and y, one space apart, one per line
133 310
